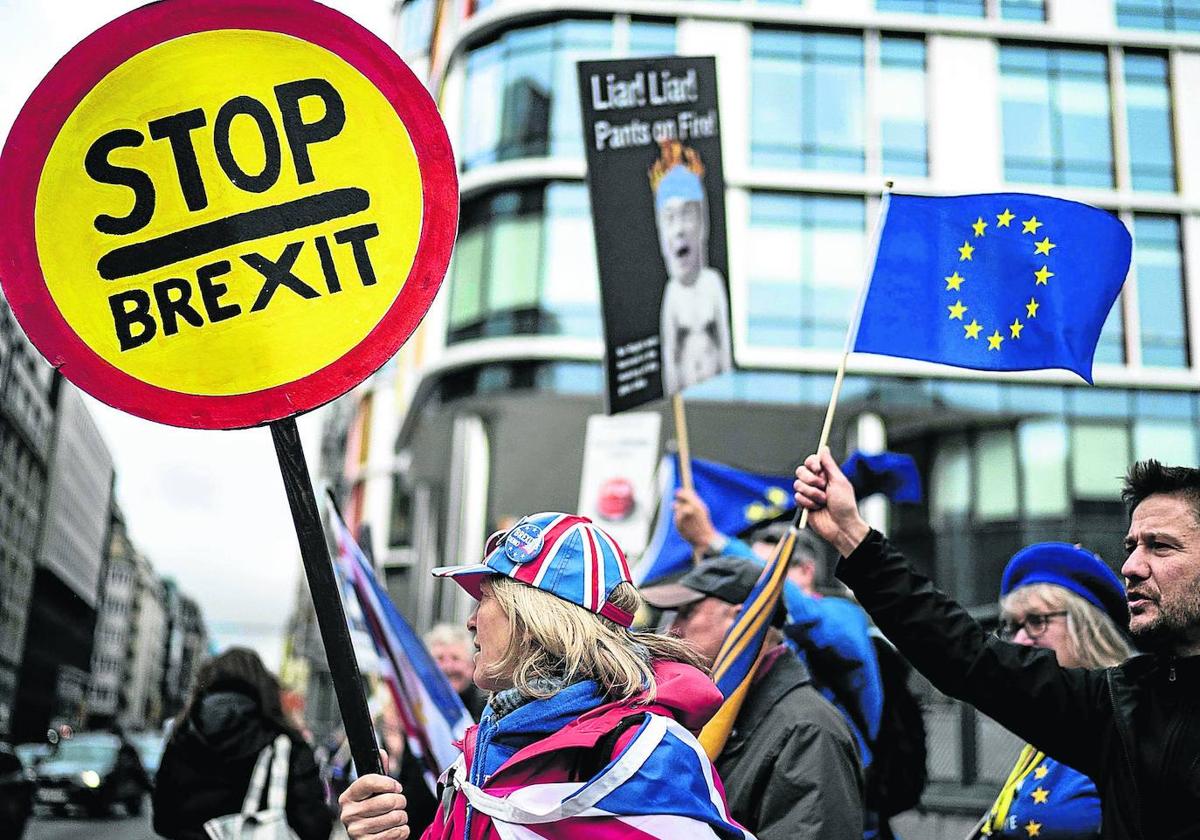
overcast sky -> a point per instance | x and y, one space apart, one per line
207 508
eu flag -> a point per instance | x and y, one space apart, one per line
1002 281
736 501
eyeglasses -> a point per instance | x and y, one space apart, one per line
1034 624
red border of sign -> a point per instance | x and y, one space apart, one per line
53 101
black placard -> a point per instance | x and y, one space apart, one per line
652 133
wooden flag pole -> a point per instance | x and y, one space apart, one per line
800 521
327 602
681 439
716 731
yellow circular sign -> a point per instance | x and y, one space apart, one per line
304 126
223 213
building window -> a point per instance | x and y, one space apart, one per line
1148 117
902 111
1162 313
1042 447
400 529
1096 450
959 8
1177 15
950 496
1168 441
521 91
1009 9
416 27
806 100
996 476
805 268
525 264
1056 116
1023 9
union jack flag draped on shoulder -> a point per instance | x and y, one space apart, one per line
661 785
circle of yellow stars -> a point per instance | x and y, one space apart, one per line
957 310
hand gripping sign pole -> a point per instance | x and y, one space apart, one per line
224 213
742 651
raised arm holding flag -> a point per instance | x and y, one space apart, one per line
1002 282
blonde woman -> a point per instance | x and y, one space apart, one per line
590 726
1063 598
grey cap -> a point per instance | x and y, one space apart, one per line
726 578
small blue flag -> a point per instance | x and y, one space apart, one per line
893 474
1003 281
736 501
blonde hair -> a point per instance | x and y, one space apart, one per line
552 638
1095 639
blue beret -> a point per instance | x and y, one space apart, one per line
1075 569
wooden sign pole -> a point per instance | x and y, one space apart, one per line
322 584
681 440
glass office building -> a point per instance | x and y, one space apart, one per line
822 101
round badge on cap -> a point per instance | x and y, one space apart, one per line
523 543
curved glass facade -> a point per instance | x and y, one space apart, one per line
521 96
525 264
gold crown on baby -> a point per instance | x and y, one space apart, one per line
673 153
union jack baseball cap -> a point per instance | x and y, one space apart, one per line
559 553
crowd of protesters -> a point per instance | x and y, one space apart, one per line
588 725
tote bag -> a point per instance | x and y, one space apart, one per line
251 823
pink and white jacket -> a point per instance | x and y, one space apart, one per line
553 769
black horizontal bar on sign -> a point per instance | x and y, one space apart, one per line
161 251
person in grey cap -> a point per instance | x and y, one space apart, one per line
790 767
831 635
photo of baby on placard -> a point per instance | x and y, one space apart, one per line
694 318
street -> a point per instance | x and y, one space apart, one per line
46 827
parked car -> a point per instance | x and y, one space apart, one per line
93 771
16 793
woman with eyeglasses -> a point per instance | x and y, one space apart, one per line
1064 598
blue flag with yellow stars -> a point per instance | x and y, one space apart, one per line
736 500
1002 281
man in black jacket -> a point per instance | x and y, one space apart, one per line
1134 728
791 769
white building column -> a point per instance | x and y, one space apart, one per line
965 145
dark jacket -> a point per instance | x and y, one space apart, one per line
205 770
1135 728
790 767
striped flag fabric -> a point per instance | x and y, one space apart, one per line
661 785
431 712
737 661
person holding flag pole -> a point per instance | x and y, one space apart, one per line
741 655
1134 728
913 243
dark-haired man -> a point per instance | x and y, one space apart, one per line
1134 728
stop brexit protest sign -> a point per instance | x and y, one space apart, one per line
219 214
